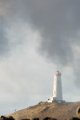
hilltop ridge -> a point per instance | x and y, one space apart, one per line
60 111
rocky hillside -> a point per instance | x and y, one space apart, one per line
47 111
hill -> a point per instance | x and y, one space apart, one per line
46 111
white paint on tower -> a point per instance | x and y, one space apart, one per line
57 88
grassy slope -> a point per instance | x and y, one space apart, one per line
42 110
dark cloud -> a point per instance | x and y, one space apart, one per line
58 22
10 12
3 40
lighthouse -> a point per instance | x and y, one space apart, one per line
57 88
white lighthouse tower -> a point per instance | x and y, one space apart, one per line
57 88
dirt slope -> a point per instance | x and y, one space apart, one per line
60 111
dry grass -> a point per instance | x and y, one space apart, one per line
60 111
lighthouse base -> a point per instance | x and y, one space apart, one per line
54 99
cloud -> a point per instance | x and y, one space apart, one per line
58 22
3 40
21 70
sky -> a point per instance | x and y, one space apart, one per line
38 37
